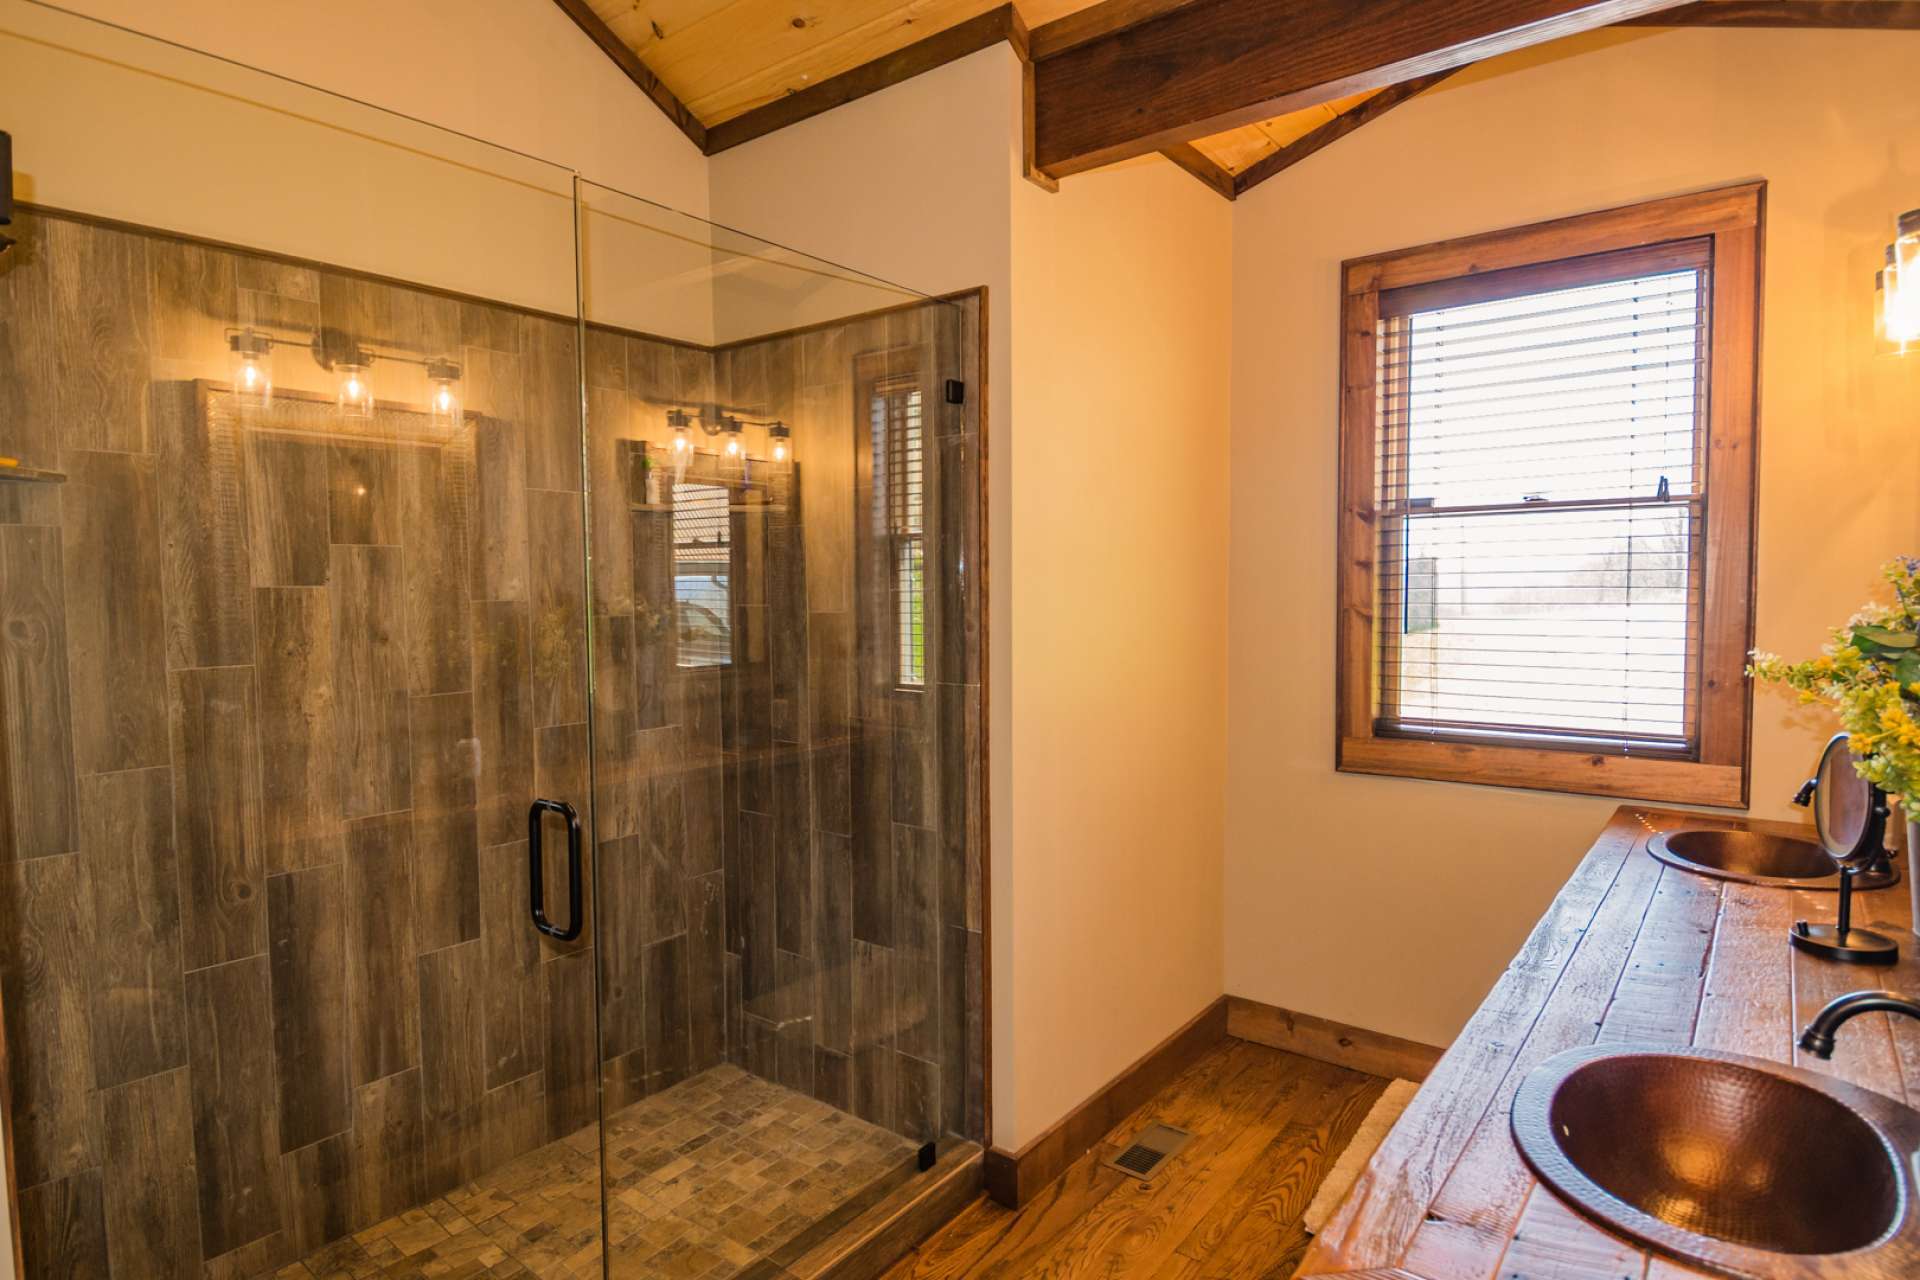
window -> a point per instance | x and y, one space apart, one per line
702 569
1547 491
898 445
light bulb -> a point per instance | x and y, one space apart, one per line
733 444
681 444
780 440
356 391
252 366
443 396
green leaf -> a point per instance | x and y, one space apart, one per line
1881 638
1907 669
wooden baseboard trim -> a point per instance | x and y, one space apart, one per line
1373 1052
1013 1177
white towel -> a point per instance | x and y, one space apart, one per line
1366 1139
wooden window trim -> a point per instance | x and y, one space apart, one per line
1730 222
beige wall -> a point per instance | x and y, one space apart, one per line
1441 882
1119 503
519 74
1107 431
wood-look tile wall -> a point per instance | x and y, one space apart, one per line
853 822
276 695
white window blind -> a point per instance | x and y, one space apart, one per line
702 571
900 472
1540 499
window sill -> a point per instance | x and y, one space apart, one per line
1542 769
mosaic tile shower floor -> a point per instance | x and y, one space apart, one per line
704 1180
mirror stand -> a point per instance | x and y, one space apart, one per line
1840 940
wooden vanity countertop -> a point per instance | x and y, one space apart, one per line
1630 950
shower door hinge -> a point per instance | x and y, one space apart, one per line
956 391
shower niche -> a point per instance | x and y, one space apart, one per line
326 554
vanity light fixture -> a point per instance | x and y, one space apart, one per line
351 363
252 366
727 424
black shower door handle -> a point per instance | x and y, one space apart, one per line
536 868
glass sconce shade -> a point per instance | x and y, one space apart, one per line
678 421
355 390
734 450
1900 284
252 366
443 394
780 441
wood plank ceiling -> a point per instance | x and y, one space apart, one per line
723 58
1233 91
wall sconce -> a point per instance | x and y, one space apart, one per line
1897 318
780 441
679 420
252 366
731 426
1903 284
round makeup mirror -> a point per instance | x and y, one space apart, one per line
1850 816
1849 813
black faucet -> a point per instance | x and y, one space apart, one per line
1817 1039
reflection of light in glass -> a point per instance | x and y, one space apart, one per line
443 395
780 437
356 391
252 366
733 448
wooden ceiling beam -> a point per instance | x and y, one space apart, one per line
628 61
1202 166
936 50
1333 130
1866 15
1102 19
1214 65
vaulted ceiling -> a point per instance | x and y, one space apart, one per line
723 58
1114 78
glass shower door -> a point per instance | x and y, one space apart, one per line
292 637
783 467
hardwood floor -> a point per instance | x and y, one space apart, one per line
1267 1127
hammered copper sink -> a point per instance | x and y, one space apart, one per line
1737 1164
1753 857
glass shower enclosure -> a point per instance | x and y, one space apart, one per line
490 671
